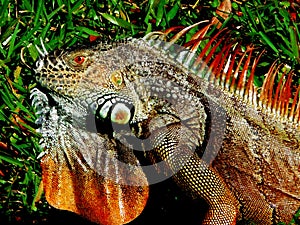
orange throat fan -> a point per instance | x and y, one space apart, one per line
90 195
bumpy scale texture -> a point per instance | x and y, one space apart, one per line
100 104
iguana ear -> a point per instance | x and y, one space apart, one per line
83 191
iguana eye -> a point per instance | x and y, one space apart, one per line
79 59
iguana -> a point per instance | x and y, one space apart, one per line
105 106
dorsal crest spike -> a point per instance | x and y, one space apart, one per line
267 88
209 44
278 95
250 93
277 90
293 112
223 66
223 62
185 30
231 62
286 95
296 116
242 78
235 74
197 38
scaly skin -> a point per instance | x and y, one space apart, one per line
243 161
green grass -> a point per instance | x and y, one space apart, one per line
66 22
57 23
271 25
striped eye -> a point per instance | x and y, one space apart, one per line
79 59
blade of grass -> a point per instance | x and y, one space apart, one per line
160 12
294 41
149 11
40 7
87 31
12 40
77 5
172 13
3 117
27 5
2 12
268 41
33 52
11 160
117 21
54 12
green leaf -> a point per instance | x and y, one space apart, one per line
118 21
268 41
3 14
8 101
160 12
87 31
12 40
77 5
149 10
11 160
33 52
54 12
40 7
3 117
294 43
172 13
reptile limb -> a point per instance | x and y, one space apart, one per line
195 176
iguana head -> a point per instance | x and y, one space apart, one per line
130 83
111 79
62 70
78 161
90 67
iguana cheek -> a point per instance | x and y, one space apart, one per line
120 114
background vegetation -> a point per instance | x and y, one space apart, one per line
270 25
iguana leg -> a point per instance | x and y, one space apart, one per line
195 176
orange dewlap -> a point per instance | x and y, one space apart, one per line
90 195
